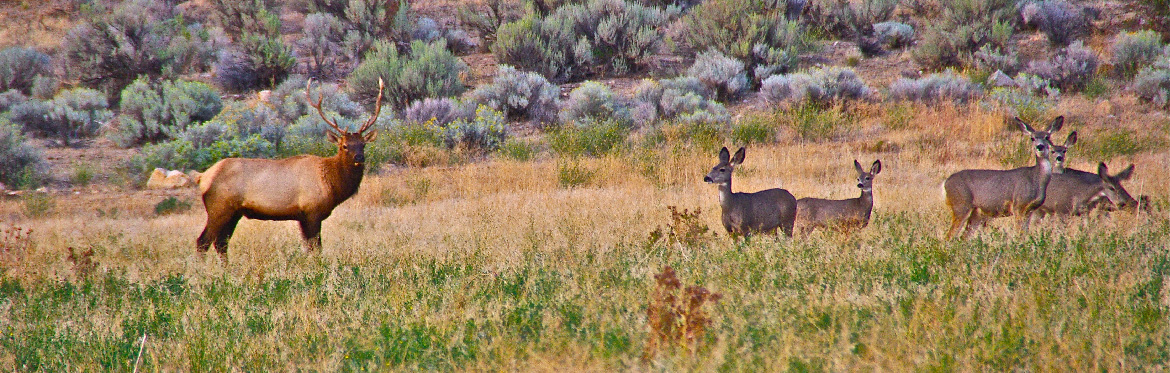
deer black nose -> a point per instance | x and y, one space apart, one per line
860 185
707 179
1039 148
1059 159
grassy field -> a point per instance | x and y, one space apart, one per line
494 265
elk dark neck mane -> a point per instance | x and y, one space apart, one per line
343 176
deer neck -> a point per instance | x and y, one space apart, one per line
1044 171
725 195
866 199
343 176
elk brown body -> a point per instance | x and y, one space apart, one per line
305 188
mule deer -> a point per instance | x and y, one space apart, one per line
1075 192
747 213
976 196
305 188
846 214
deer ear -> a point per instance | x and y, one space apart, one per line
724 155
1124 174
876 168
370 136
1056 125
1072 139
1024 126
857 166
739 154
333 138
1103 171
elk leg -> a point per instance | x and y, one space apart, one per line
225 234
212 231
311 232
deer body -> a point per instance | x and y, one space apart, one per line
847 214
1075 192
304 188
976 196
748 213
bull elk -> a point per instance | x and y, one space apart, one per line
747 213
305 188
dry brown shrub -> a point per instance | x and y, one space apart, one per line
15 242
676 320
83 263
685 228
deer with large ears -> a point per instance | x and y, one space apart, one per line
305 188
976 196
747 213
846 214
1076 192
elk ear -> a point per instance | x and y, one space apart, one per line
1124 174
857 166
724 155
1056 125
1072 139
876 168
333 138
370 136
739 154
1024 126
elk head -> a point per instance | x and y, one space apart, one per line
351 146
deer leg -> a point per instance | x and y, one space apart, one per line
959 220
311 232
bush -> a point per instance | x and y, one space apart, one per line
893 34
721 74
160 111
964 27
591 138
936 88
1061 21
1070 69
990 59
822 86
45 87
593 101
1152 84
258 61
288 99
373 20
855 20
113 47
487 16
747 30
486 133
441 110
71 115
682 99
579 40
752 132
10 99
520 94
571 174
1134 50
1021 103
428 70
181 154
321 45
242 17
816 123
20 66
21 165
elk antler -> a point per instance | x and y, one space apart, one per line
377 107
321 97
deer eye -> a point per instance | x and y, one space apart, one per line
722 170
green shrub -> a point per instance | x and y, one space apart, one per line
752 132
38 205
964 27
571 174
111 48
160 111
721 74
578 40
72 115
593 138
813 122
936 88
240 17
1152 84
83 174
10 99
518 150
990 59
181 154
171 205
21 164
428 70
519 95
1112 143
682 99
594 102
1021 103
257 61
1135 50
750 31
486 133
487 16
321 45
823 86
1070 69
20 67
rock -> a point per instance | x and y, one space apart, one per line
264 96
194 175
999 79
163 179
